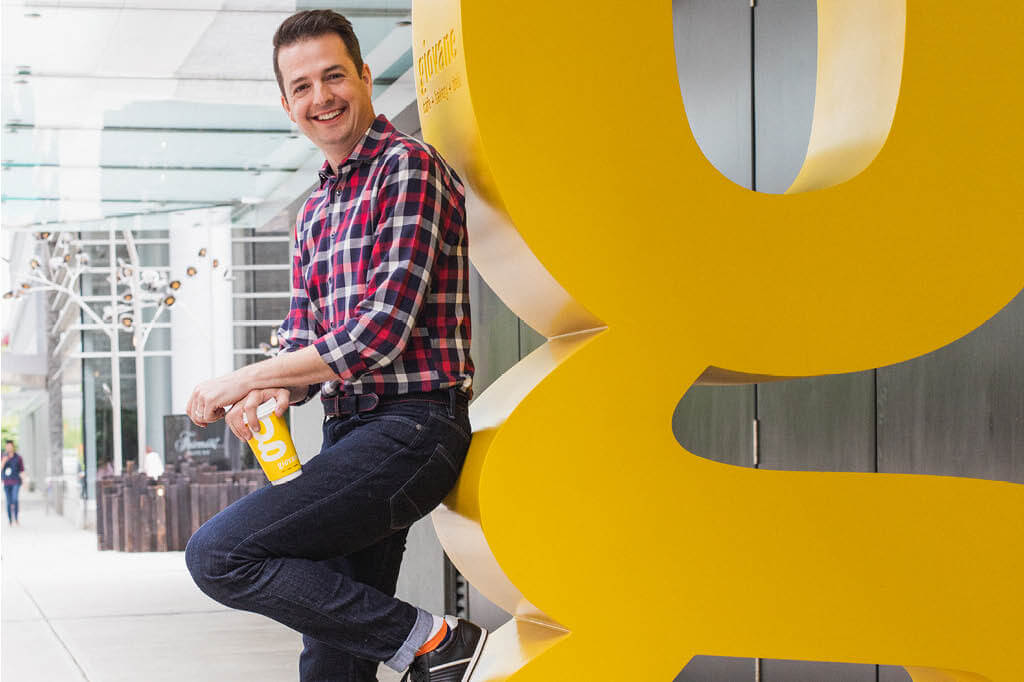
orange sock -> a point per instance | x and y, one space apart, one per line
434 641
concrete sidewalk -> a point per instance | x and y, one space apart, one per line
72 613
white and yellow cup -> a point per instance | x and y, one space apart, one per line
273 446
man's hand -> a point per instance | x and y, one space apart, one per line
209 399
247 408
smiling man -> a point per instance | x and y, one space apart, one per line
379 325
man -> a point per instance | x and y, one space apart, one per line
380 320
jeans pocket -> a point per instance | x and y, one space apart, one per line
424 490
402 429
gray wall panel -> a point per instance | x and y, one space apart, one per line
818 424
718 669
712 41
529 340
892 673
495 343
959 410
785 70
717 423
809 671
496 346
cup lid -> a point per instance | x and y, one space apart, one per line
266 408
262 411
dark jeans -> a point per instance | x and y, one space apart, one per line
11 492
321 553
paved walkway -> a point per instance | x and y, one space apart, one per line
72 613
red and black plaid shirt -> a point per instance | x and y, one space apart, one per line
380 275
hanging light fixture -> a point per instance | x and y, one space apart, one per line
174 284
9 295
191 271
169 300
215 263
34 263
202 252
127 298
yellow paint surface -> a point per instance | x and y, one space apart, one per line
594 215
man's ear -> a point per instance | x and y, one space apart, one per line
287 109
367 78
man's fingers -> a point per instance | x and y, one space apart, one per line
234 420
250 415
282 395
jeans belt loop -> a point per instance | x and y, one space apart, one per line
451 403
367 402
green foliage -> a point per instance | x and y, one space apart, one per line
9 430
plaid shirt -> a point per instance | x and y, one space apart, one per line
380 274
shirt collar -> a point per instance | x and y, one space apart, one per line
368 148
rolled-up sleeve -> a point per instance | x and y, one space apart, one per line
404 250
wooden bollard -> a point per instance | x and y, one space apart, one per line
99 515
129 515
117 521
211 500
194 515
145 512
223 494
173 514
104 511
160 518
185 513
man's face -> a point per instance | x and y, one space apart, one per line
9 447
325 95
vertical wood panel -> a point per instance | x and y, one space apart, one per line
160 516
145 512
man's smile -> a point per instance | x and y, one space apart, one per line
329 115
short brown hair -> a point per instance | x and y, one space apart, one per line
313 23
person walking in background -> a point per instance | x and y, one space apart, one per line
12 467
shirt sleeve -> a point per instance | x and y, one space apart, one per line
410 200
299 328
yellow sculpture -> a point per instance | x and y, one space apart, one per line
598 220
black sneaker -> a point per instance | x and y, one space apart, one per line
454 659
